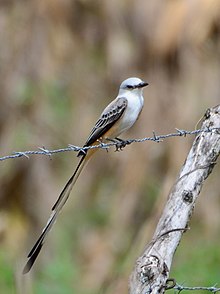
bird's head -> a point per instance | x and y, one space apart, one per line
133 84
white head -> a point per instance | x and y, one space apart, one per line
132 85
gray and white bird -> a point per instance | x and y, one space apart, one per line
119 116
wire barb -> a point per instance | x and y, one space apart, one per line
181 132
45 151
20 154
155 138
75 148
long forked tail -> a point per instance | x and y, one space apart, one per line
64 195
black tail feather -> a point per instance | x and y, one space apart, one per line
68 183
32 259
32 256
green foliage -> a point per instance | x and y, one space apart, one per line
7 283
196 262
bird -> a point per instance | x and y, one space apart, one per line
119 116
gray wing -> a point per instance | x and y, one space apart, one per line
108 118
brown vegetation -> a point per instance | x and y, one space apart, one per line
61 62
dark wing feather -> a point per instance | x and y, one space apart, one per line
108 118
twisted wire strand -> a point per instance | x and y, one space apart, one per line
154 138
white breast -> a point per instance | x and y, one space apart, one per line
134 107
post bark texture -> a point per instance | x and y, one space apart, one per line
153 266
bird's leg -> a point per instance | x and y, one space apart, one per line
122 143
119 143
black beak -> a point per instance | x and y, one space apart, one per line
142 84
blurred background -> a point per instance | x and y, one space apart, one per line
61 63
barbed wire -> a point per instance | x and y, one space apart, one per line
119 144
179 288
172 284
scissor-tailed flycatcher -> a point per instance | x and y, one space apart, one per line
116 118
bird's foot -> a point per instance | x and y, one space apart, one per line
119 143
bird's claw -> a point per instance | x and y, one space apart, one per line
119 143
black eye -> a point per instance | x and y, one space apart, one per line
130 87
